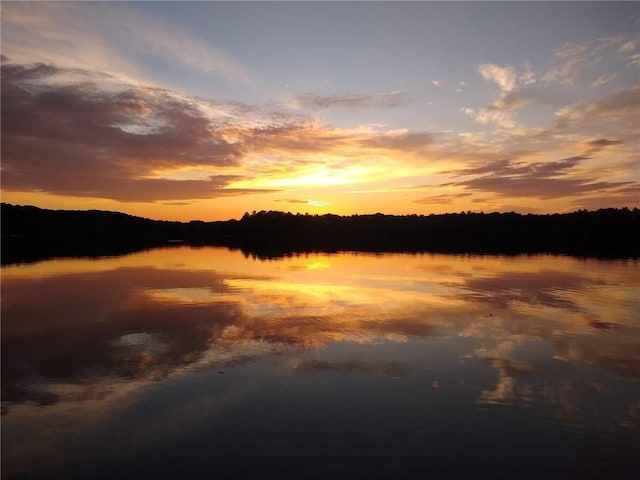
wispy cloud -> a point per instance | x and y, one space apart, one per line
309 202
600 144
603 80
581 63
101 37
374 100
527 75
486 116
167 41
504 76
445 198
542 180
401 140
625 196
500 112
619 108
628 47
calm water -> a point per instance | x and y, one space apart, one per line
201 363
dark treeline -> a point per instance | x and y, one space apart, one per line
30 233
603 233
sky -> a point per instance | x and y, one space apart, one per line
206 110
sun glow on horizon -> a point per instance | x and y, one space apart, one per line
194 126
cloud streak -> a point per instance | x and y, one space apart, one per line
297 201
619 108
82 35
579 63
357 101
542 180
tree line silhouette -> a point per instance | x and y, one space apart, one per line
31 233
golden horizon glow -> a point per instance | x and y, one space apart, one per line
194 126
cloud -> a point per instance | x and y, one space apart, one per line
527 77
375 100
541 180
491 115
510 98
573 50
69 131
603 80
310 203
582 64
411 141
166 40
436 82
83 139
101 36
626 196
504 77
627 47
446 198
81 132
177 204
296 136
601 143
619 108
573 61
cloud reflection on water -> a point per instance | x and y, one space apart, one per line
147 322
95 335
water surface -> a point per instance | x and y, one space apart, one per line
204 363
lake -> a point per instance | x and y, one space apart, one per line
206 363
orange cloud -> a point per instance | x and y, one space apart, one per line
82 134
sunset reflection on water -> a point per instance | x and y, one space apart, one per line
118 358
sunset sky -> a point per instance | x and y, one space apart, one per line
205 110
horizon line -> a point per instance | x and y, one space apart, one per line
253 212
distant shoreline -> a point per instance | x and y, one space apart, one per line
31 233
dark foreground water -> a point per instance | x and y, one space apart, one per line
201 363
